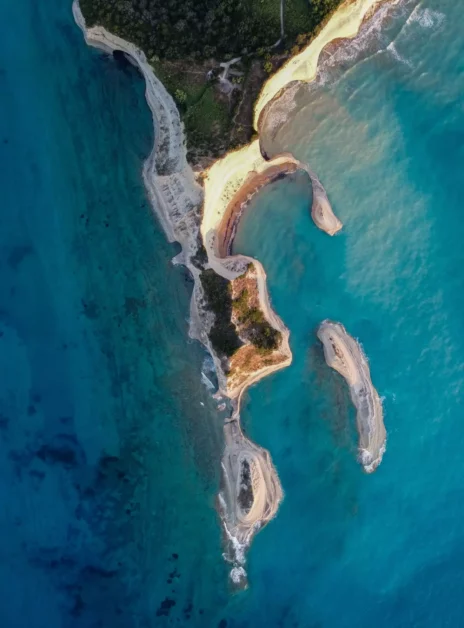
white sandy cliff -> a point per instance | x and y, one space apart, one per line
344 24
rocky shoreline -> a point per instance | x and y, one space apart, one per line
250 496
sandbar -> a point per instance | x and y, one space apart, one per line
345 355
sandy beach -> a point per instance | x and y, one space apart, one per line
229 185
343 24
254 182
282 165
345 355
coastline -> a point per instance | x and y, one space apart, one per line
190 214
242 517
343 24
345 355
241 180
169 180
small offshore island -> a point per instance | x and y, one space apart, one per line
199 188
345 355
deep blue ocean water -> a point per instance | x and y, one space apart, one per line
109 462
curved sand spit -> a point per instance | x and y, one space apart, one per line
345 355
223 232
229 185
177 200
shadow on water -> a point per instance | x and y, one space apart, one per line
332 389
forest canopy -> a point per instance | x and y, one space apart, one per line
202 29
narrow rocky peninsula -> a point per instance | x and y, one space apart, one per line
344 354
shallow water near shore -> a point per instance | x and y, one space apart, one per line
109 460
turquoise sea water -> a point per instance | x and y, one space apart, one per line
386 138
109 461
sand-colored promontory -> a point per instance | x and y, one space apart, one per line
280 166
345 355
250 494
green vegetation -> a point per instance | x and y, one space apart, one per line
241 303
201 256
245 496
200 29
207 121
184 40
177 77
204 29
223 334
268 67
180 96
254 327
205 113
301 16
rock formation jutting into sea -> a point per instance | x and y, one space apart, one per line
345 355
201 210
